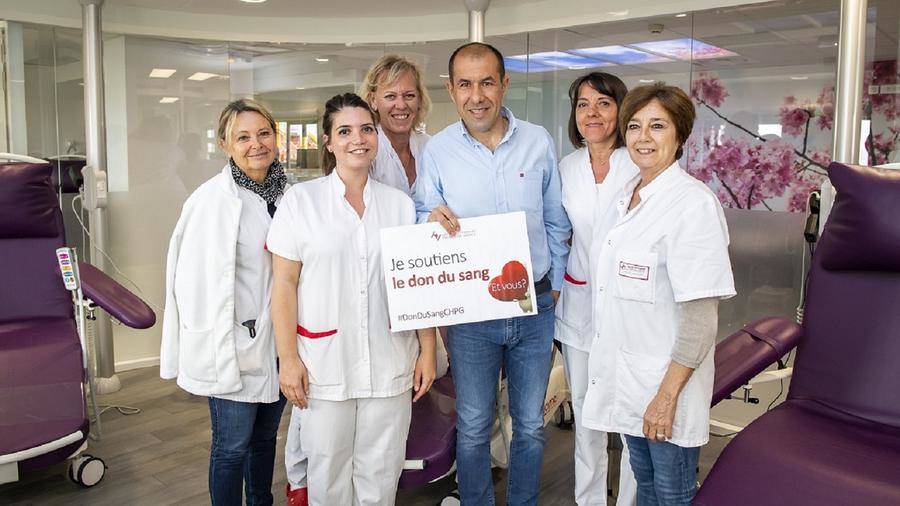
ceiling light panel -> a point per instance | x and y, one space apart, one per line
168 100
558 60
620 54
522 66
684 49
201 76
162 73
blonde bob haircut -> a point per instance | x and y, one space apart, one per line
230 113
385 72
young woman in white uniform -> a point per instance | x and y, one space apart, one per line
217 334
659 275
393 88
340 362
591 178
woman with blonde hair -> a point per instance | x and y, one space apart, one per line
394 90
217 331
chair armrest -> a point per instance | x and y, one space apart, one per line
114 298
749 351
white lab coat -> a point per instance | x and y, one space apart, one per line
351 447
387 167
590 209
671 248
199 345
343 327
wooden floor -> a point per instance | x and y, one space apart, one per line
160 456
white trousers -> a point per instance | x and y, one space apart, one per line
295 457
591 458
355 449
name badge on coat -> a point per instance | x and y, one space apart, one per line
634 271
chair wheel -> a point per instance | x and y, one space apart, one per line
87 470
451 499
565 416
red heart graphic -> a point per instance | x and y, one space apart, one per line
511 284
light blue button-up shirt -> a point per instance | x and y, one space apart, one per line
519 175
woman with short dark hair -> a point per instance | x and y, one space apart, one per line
591 178
660 273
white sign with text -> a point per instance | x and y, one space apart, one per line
481 273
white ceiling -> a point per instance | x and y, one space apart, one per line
314 9
341 21
772 40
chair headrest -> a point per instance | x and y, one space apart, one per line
27 201
863 231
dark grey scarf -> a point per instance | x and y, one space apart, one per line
270 189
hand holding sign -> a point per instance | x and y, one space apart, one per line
435 278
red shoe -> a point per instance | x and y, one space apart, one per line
298 497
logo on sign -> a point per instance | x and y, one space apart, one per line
444 235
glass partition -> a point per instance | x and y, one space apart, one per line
881 85
761 76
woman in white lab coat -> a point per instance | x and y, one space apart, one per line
217 333
340 362
394 90
591 178
659 275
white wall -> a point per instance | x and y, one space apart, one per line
162 162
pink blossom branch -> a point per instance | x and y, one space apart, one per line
869 143
807 166
806 130
757 136
730 192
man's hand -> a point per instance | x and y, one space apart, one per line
443 215
555 295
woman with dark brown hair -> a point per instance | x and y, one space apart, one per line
591 178
659 275
341 364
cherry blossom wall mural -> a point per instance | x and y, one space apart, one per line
777 173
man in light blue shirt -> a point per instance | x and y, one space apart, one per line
490 163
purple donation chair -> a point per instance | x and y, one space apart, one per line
43 412
836 439
431 443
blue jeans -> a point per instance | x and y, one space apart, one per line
477 350
243 450
666 474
